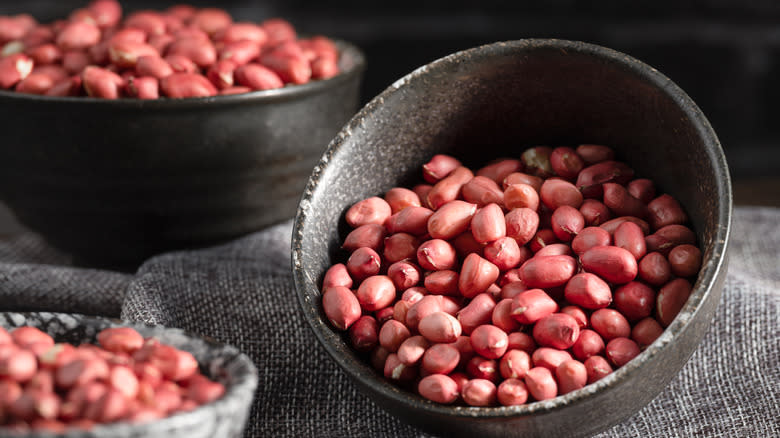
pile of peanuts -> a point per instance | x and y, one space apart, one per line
48 386
180 52
523 281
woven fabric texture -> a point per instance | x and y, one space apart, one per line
242 293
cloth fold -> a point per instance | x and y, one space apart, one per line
242 293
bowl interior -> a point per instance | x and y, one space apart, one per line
495 101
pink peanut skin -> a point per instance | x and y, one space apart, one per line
341 306
451 219
548 271
541 384
439 167
182 85
399 198
532 305
477 312
477 274
438 388
259 77
589 291
488 224
588 344
373 210
611 263
557 330
489 341
479 392
571 376
594 153
556 193
441 358
482 191
500 169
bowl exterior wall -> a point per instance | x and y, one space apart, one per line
117 182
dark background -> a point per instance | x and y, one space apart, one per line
725 54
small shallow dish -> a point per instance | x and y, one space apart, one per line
494 101
223 418
115 181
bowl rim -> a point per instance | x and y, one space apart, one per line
352 62
306 287
227 353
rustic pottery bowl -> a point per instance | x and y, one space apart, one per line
223 418
494 101
113 182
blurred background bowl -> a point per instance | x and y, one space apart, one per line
223 418
494 101
114 182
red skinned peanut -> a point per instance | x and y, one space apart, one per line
439 167
503 252
404 275
336 275
521 196
500 169
489 341
400 246
646 331
438 388
364 262
621 350
588 344
597 368
557 192
589 291
595 153
373 210
501 316
541 384
567 222
476 275
442 282
412 349
571 375
630 237
532 305
665 210
514 364
392 334
685 260
634 300
181 85
376 292
591 178
440 327
655 269
557 330
259 77
617 198
512 392
670 300
364 333
611 263
595 212
369 235
521 224
642 189
341 306
440 359
566 163
412 220
451 219
399 198
610 324
548 271
436 255
482 190
521 341
488 224
478 312
479 392
536 161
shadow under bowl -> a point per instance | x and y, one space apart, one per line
494 101
115 181
224 418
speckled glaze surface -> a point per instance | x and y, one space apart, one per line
494 101
225 417
114 182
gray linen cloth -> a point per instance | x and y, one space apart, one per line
242 293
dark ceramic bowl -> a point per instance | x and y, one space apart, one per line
494 101
223 418
113 182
